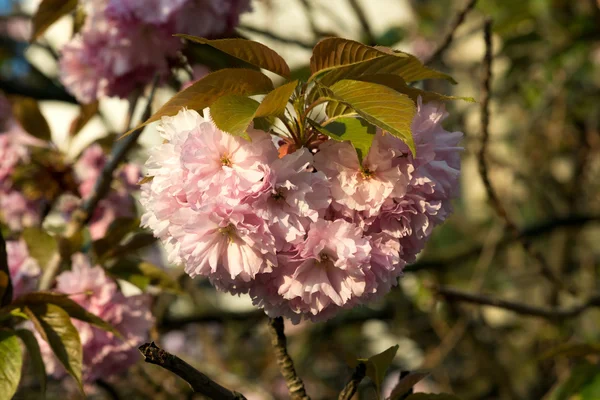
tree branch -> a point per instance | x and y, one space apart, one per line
357 376
286 365
83 214
364 23
199 382
519 308
276 37
458 20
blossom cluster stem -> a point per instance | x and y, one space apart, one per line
82 215
199 382
286 365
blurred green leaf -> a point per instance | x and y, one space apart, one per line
206 91
55 326
48 12
377 365
27 112
392 36
406 384
73 309
116 231
42 247
11 363
35 356
584 378
379 105
572 350
249 51
142 274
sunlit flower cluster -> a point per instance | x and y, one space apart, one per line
123 44
104 354
305 234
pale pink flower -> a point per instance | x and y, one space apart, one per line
361 187
298 196
24 270
209 18
150 11
104 354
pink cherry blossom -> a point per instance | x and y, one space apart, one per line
24 270
104 354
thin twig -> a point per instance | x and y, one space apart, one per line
6 288
276 37
286 365
497 205
199 382
364 23
357 376
83 214
458 20
519 308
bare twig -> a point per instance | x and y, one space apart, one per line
458 20
276 37
364 24
497 205
358 375
286 365
520 308
83 214
199 382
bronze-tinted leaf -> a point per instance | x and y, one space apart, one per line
48 12
35 356
40 244
86 113
27 112
206 91
249 51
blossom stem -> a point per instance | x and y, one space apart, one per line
199 382
357 376
82 215
286 365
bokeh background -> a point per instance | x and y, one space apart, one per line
543 161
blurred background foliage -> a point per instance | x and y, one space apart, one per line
543 160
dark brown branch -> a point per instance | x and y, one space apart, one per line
82 214
497 205
286 365
519 308
357 376
276 37
364 24
199 382
458 20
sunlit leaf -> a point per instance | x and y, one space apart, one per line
27 112
336 109
355 130
11 363
331 53
55 326
233 113
380 105
73 309
40 244
145 179
249 51
378 364
142 274
35 356
48 12
206 91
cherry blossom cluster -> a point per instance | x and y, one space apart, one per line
104 354
305 234
123 44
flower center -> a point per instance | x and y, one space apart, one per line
325 260
366 173
225 160
228 231
278 195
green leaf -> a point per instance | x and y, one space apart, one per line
27 112
584 375
6 289
48 12
336 109
116 231
377 365
206 91
73 309
35 356
55 326
233 113
406 384
137 242
355 130
254 53
142 274
332 53
398 84
380 105
432 396
11 363
40 244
